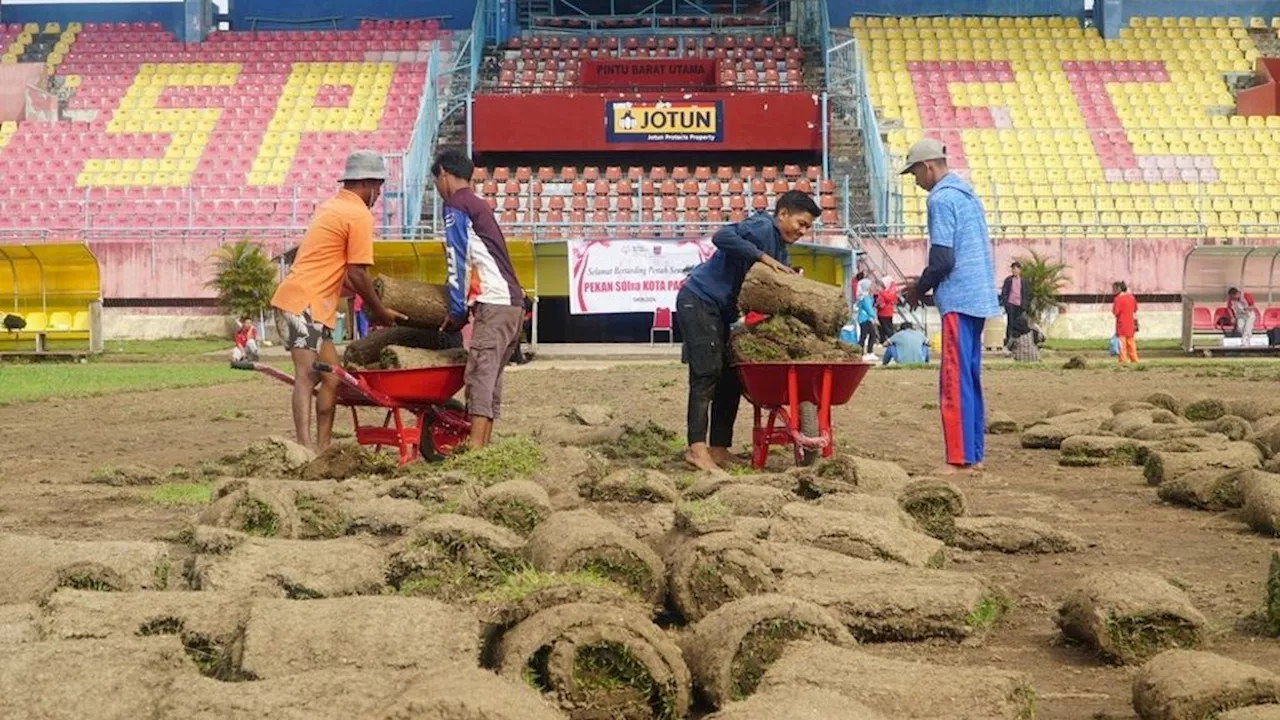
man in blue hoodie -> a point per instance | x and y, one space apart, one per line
707 305
961 273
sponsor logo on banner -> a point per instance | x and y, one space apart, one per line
664 122
627 276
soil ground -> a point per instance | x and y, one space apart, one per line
52 446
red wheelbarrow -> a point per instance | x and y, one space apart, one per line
781 387
439 424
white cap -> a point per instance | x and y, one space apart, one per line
364 165
924 149
887 280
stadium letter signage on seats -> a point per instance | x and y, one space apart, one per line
664 122
687 74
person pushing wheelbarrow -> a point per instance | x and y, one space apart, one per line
335 251
707 305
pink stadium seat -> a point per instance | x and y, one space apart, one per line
1271 318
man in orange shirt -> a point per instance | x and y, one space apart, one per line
337 248
1125 308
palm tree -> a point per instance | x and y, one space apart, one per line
244 277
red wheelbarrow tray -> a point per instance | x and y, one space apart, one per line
422 392
780 388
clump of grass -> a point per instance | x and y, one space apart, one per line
320 519
518 585
160 573
760 649
700 512
1137 638
1206 409
181 493
935 514
259 518
610 676
228 415
514 513
507 459
640 442
632 574
1024 696
988 610
125 475
88 581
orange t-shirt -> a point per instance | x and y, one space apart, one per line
340 234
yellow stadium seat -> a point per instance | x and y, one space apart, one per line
60 321
80 322
36 321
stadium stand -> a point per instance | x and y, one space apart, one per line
247 129
1057 127
743 60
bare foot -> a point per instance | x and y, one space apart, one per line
701 460
725 459
961 469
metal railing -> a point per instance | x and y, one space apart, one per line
806 87
417 158
850 98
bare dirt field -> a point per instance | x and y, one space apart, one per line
52 448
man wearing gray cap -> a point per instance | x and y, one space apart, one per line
961 274
334 252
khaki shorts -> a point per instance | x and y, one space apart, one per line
494 330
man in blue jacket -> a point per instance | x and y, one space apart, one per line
707 305
961 273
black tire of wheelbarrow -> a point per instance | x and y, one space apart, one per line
428 449
809 427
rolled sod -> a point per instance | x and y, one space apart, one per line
1096 450
1212 489
451 556
1267 440
581 540
797 703
269 457
880 602
1128 422
935 505
1261 493
257 507
1012 535
1166 401
1205 409
821 306
517 505
1270 711
783 337
1000 423
216 618
32 567
1252 409
598 661
1121 406
881 506
633 485
860 536
296 569
709 571
1191 685
1233 426
396 357
901 688
1050 436
1129 617
367 351
529 592
1162 465
340 692
284 637
426 306
753 500
458 692
1158 433
729 650
851 474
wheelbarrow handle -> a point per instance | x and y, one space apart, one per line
322 367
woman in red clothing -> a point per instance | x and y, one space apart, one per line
886 301
1125 308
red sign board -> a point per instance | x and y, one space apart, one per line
687 73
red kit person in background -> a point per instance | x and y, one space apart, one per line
1125 308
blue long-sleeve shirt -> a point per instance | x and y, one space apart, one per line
866 309
738 247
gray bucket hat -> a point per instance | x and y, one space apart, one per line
364 165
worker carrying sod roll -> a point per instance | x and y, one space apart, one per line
423 304
708 304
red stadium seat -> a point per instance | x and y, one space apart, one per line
1271 318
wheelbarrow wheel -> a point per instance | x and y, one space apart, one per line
440 439
809 427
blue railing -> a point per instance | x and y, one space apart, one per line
418 157
480 32
875 153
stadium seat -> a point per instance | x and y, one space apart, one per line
36 322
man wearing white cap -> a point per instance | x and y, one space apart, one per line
336 249
961 273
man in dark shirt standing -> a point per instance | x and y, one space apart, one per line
708 304
475 249
1014 299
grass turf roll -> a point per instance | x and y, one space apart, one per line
426 306
1192 685
729 650
712 570
395 357
581 540
820 306
860 536
1162 465
1129 617
598 661
367 351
